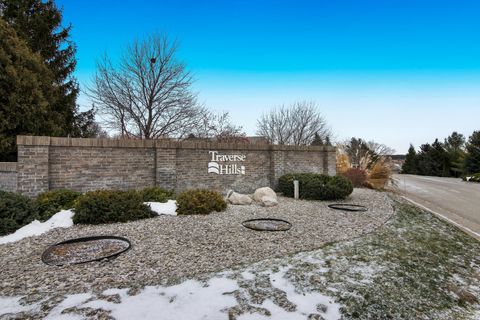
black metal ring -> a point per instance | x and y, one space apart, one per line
266 219
348 207
85 239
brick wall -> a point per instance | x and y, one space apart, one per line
46 163
8 176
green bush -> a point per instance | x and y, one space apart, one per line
15 212
314 186
50 202
472 177
200 201
156 194
109 206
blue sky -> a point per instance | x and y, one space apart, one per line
395 71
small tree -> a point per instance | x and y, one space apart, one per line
410 164
294 125
317 140
148 95
472 158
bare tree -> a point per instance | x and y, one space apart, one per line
148 94
363 154
219 128
298 124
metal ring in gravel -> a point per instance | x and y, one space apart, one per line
267 224
348 207
83 250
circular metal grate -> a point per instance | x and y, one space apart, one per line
87 249
267 224
348 207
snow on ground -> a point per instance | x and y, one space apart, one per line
191 299
62 219
169 207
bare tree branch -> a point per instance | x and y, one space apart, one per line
148 94
297 124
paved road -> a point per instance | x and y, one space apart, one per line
451 198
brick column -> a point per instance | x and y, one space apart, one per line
277 166
32 165
165 168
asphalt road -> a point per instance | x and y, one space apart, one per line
451 198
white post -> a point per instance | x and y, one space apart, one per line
295 189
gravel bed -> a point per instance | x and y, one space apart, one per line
166 249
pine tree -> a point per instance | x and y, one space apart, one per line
454 145
25 85
411 161
327 141
39 24
317 140
472 158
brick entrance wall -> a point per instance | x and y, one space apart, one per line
46 163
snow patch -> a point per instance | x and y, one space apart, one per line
62 219
11 305
168 208
188 300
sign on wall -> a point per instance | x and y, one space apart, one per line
226 163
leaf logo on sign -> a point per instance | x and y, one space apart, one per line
213 167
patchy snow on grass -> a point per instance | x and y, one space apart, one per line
12 305
188 300
168 208
62 219
69 302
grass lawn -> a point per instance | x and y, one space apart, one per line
414 267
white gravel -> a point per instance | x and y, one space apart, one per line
166 249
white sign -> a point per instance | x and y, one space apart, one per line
222 163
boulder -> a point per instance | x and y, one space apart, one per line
268 201
265 196
238 198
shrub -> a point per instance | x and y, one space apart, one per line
156 194
314 186
357 176
200 201
15 212
472 177
50 202
109 206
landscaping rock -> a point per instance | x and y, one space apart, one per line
239 199
268 201
262 192
266 197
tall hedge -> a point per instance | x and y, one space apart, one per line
314 186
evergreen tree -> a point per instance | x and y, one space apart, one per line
327 141
317 140
39 23
25 88
454 145
472 158
410 164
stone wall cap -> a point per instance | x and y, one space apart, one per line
161 144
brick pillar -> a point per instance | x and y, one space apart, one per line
32 165
332 161
277 166
165 168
